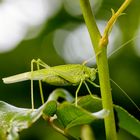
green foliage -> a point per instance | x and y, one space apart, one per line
125 120
128 122
69 115
14 119
50 109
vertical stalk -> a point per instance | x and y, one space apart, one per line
91 24
103 71
106 95
100 47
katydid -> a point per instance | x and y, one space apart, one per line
62 75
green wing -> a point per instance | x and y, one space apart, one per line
72 73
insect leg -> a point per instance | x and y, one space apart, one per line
32 95
40 84
76 94
94 97
40 63
88 88
95 85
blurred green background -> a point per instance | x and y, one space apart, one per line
54 31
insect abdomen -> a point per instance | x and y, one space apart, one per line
17 78
56 80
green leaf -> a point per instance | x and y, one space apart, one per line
126 120
60 92
50 108
14 120
69 115
90 104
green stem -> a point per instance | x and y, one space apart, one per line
59 130
102 70
86 133
100 48
110 23
91 24
107 102
65 134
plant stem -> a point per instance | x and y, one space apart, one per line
103 71
59 130
65 134
100 47
91 24
107 102
110 23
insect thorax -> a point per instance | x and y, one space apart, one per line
91 72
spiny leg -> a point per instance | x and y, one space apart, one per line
90 91
76 94
40 84
32 95
88 88
39 63
95 85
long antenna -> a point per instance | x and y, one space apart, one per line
92 58
125 94
115 51
123 45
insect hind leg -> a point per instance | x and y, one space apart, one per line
39 63
32 95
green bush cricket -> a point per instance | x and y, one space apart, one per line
62 75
